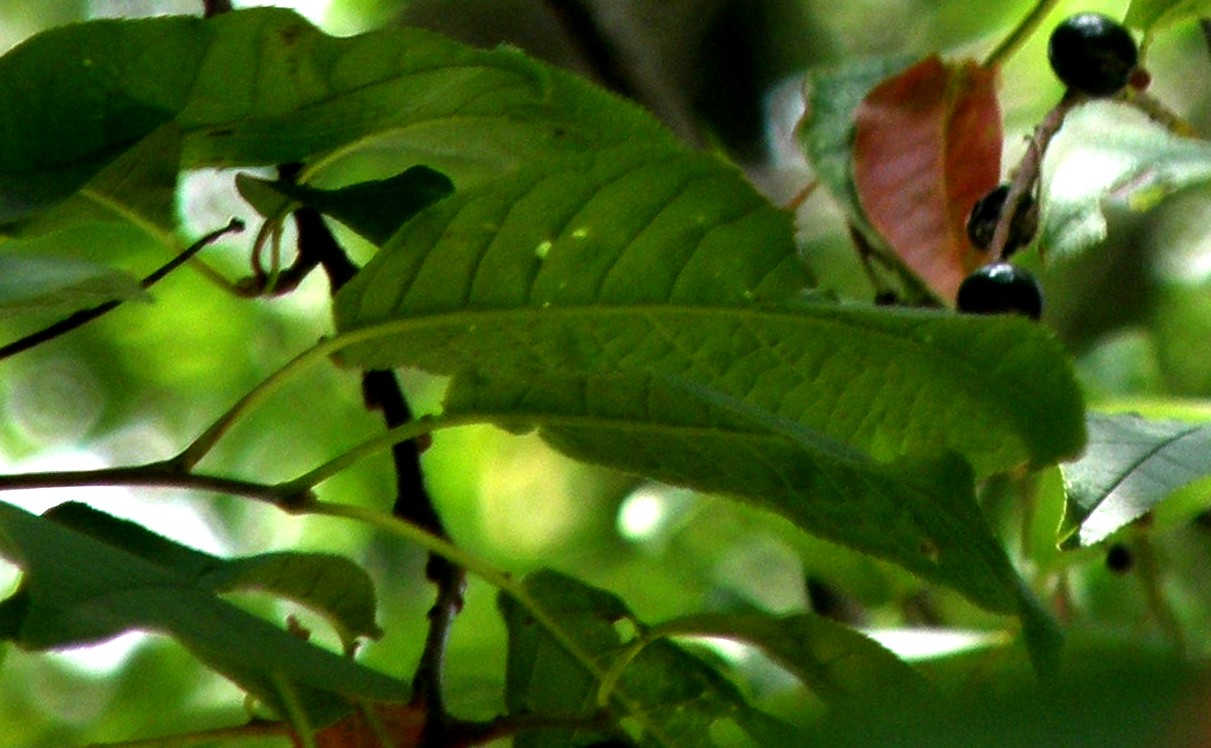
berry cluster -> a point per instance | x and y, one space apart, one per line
1094 57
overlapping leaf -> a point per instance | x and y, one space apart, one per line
1130 465
1111 155
827 133
263 86
625 262
53 285
89 577
374 209
670 696
919 514
138 187
927 145
833 660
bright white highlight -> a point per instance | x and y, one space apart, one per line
927 644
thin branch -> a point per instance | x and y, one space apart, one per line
212 8
576 18
502 581
414 429
1027 176
412 504
80 318
1150 575
155 475
205 442
1020 34
257 729
463 734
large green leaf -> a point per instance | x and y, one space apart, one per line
331 585
628 261
138 187
1106 697
89 577
1130 465
76 98
263 86
557 664
919 514
1110 155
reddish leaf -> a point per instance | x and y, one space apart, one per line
400 723
927 145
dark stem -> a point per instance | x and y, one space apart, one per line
1025 180
577 19
212 8
155 475
413 504
80 318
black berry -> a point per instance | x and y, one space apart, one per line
1001 288
1092 54
982 222
1119 559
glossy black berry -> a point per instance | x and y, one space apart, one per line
1092 54
982 221
1001 288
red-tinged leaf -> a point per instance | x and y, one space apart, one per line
400 724
927 145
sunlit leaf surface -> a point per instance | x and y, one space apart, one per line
1130 465
1108 156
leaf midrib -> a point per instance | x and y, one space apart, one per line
1023 397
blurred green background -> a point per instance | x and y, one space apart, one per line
139 384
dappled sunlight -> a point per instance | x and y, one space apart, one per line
650 412
101 659
915 644
652 513
52 401
529 504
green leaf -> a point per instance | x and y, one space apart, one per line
374 209
624 261
137 187
1111 155
1106 697
330 585
827 132
556 665
89 576
1130 465
76 98
54 285
919 514
1154 15
838 663
263 86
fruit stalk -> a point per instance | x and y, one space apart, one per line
1027 174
